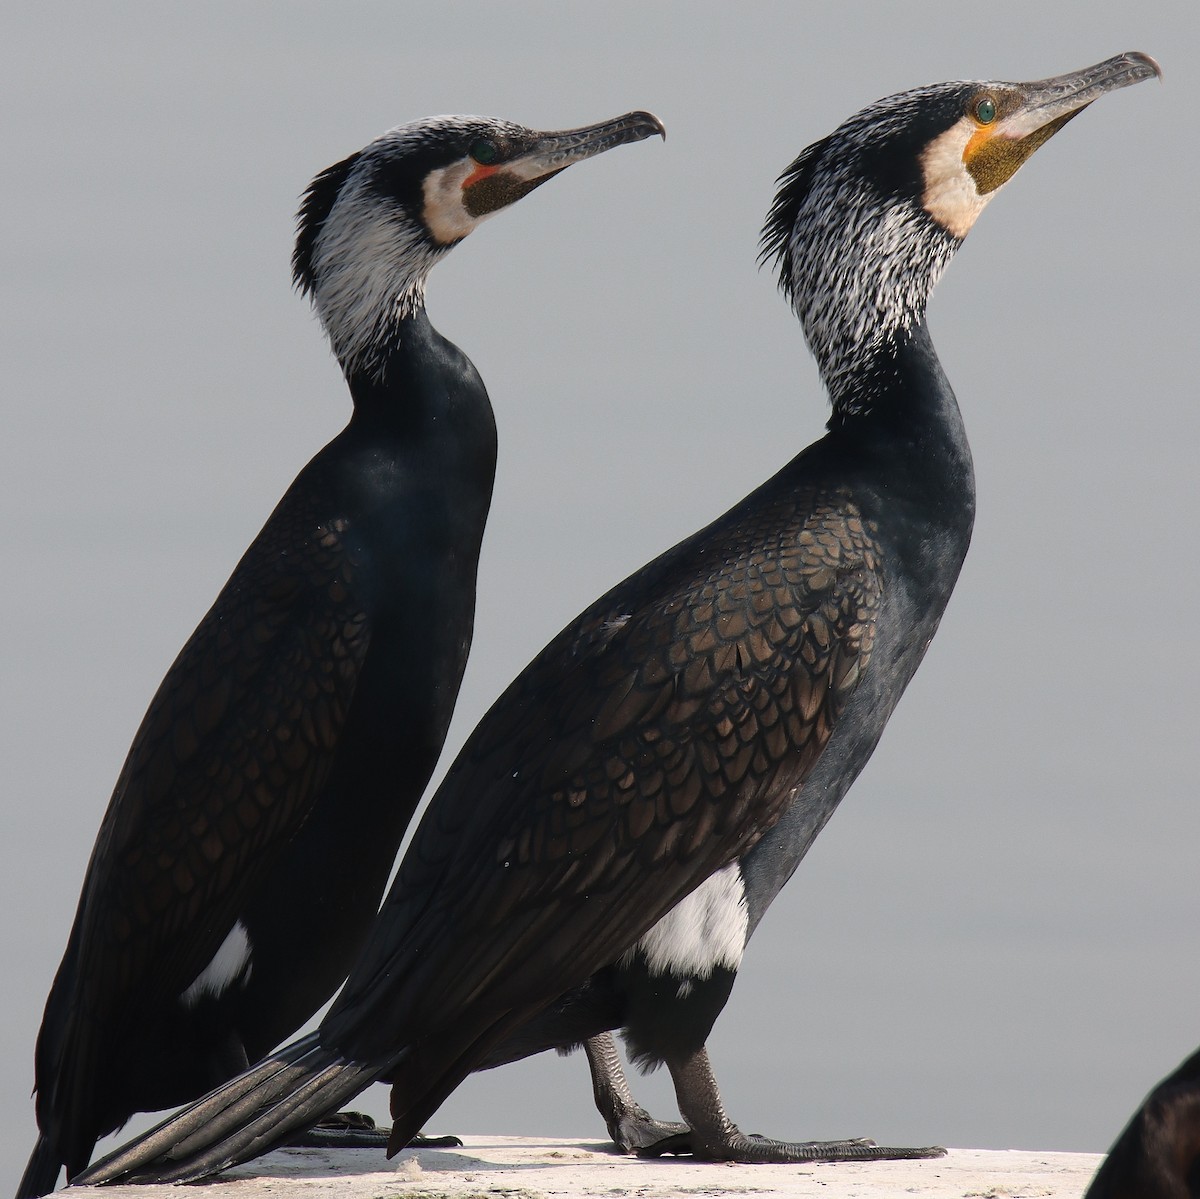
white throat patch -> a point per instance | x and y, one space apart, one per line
230 963
445 214
369 270
705 930
950 195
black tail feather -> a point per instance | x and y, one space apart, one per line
41 1174
286 1092
293 1112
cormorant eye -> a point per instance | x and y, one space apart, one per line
985 110
484 152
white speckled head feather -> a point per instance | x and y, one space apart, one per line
857 260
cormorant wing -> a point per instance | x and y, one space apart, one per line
650 743
221 774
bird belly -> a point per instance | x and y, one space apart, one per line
704 930
230 964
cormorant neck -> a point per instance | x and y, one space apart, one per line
370 268
858 268
410 375
868 311
913 415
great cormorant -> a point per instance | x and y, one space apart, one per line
255 822
1157 1155
593 839
863 223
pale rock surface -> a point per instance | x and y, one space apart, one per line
529 1168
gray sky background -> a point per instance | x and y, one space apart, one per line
994 942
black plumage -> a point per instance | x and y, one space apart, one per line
911 172
254 825
1157 1155
618 822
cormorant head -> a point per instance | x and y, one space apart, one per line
371 226
866 219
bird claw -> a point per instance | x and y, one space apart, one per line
357 1130
421 1141
343 1130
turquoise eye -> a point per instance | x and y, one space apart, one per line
485 152
985 111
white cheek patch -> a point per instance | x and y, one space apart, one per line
950 195
229 963
701 932
445 215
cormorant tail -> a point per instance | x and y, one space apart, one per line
287 1092
41 1173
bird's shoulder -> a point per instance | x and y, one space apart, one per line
771 590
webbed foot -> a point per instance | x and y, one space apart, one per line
713 1137
736 1146
344 1130
636 1130
421 1141
357 1130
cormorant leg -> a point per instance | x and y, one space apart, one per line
714 1137
629 1124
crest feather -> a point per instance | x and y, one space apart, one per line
776 242
318 201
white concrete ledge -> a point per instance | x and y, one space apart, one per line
527 1168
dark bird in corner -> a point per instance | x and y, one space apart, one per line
252 830
618 822
1157 1155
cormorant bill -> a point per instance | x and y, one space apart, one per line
255 822
1157 1155
741 679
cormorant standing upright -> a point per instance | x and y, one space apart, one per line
864 221
255 822
592 835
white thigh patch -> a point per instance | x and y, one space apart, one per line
229 963
701 932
